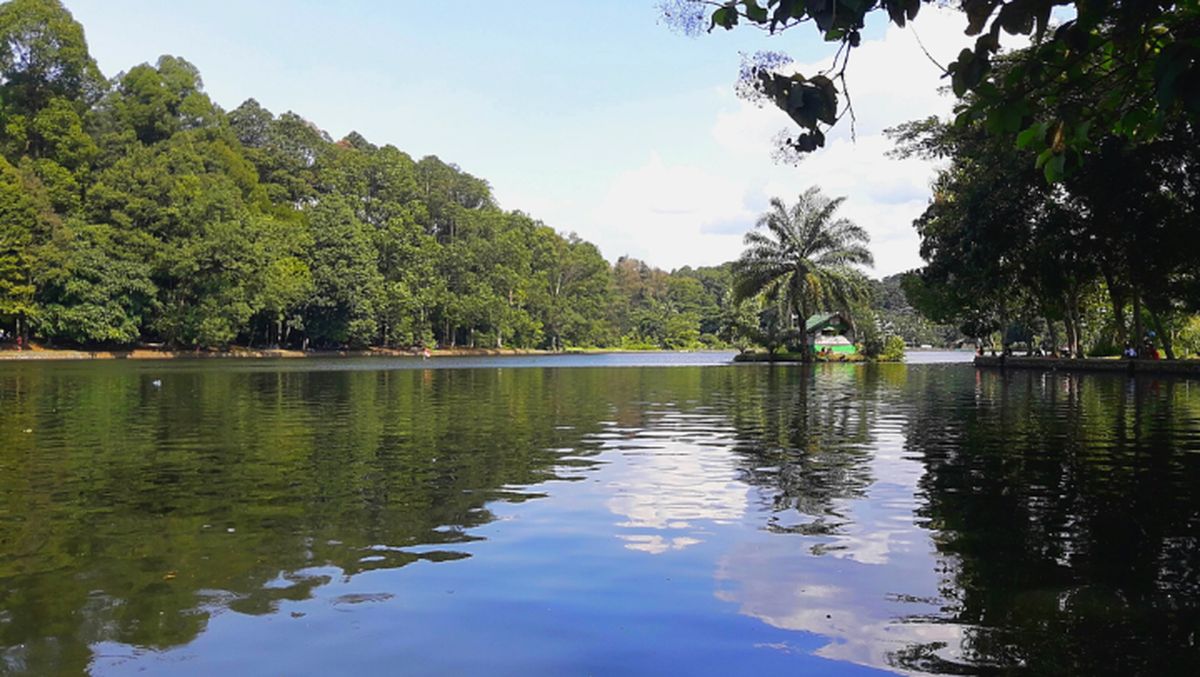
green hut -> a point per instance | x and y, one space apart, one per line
827 331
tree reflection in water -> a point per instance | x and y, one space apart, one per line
1062 512
925 518
1066 513
132 513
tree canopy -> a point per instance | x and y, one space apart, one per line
134 209
1144 55
805 258
1105 253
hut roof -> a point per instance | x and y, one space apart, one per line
821 320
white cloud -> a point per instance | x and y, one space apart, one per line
671 484
673 212
872 588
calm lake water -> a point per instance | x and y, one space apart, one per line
543 516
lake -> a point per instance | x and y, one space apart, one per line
596 514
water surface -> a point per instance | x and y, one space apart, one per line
365 517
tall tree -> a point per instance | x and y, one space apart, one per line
346 280
18 213
805 255
43 55
100 290
1003 247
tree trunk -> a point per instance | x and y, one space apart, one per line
1138 333
1077 314
1116 296
1074 345
1003 328
806 354
1163 336
1071 316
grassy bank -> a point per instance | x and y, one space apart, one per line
794 357
39 352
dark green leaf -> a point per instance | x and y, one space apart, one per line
754 12
1032 133
725 17
1053 169
978 12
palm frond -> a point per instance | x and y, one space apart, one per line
805 254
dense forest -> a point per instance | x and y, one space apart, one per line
135 210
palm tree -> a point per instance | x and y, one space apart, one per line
806 256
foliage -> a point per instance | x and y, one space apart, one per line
1143 57
102 291
1188 342
18 212
893 349
896 315
870 340
137 210
1009 253
805 259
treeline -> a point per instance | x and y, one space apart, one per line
137 210
895 316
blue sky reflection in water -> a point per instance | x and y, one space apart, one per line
679 520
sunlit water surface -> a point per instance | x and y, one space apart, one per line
544 516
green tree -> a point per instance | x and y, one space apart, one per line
158 101
806 257
102 291
1004 249
18 214
738 321
346 280
43 55
574 281
286 284
1149 69
716 282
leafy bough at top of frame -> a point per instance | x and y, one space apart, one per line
1149 70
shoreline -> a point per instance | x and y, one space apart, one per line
65 354
1131 367
43 354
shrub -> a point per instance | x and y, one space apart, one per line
871 343
1187 342
893 349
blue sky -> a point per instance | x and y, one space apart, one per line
593 116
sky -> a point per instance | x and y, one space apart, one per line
591 115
